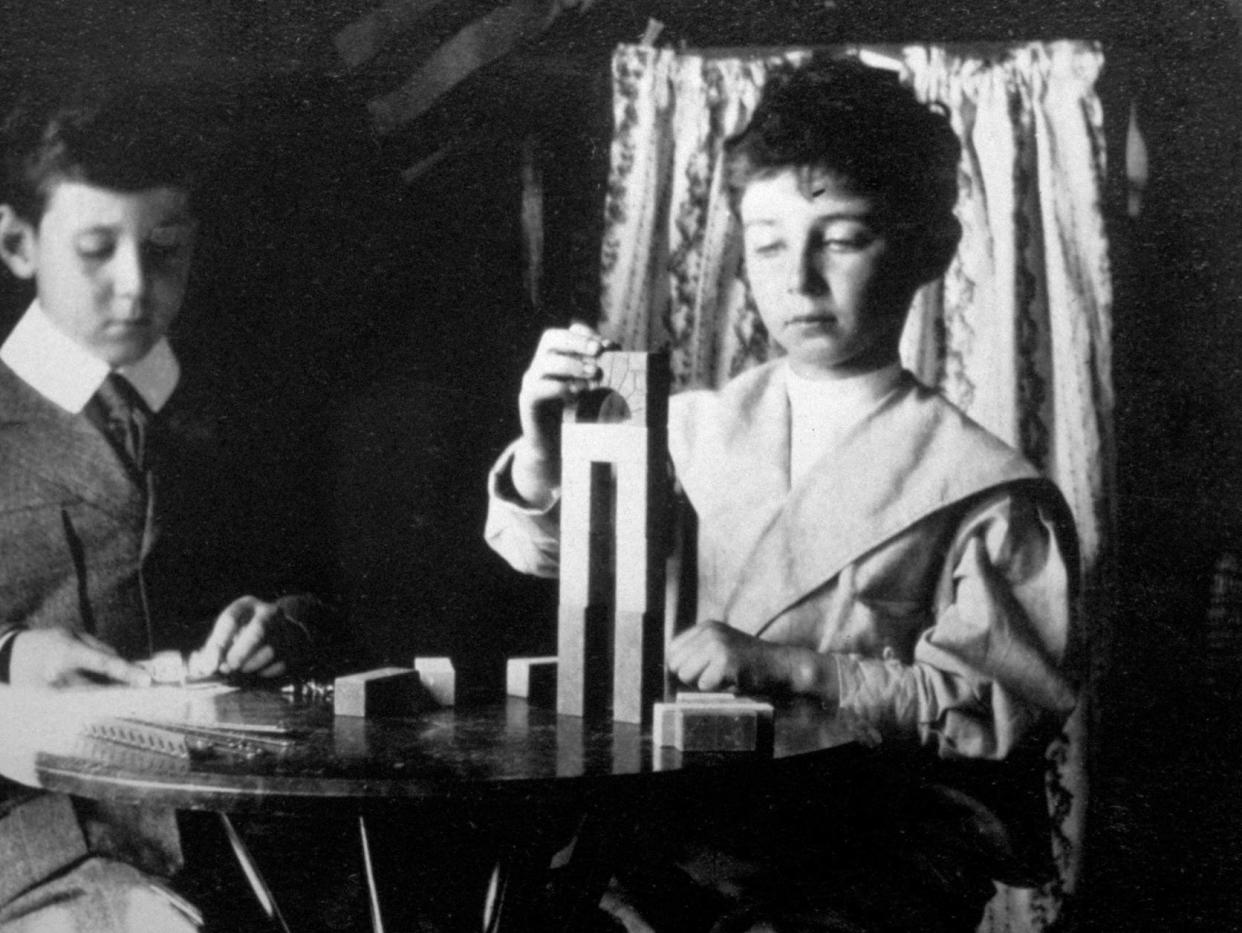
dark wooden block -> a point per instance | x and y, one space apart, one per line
534 679
439 678
387 691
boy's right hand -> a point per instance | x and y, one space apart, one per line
59 658
564 366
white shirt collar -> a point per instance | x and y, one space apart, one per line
822 412
851 396
67 374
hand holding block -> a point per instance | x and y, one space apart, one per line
715 723
632 388
387 691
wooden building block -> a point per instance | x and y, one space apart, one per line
533 679
637 663
613 475
386 691
699 697
575 565
583 668
439 679
632 389
715 725
571 660
640 556
349 737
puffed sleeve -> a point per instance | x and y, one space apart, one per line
527 538
992 667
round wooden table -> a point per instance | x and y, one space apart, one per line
297 757
309 755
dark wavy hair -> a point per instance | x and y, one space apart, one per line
861 124
120 135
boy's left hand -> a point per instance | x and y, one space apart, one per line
713 656
251 636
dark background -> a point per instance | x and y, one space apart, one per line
379 325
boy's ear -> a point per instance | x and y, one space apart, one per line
17 243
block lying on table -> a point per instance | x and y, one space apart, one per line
439 678
714 723
534 679
386 691
698 698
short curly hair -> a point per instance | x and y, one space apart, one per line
861 124
121 135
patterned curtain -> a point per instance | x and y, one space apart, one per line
1016 333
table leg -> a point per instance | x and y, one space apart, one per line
377 916
515 898
602 842
250 869
527 892
513 891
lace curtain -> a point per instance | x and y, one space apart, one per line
1016 333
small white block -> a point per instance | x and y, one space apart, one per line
386 691
737 725
533 679
691 696
439 677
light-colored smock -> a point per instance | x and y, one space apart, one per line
922 557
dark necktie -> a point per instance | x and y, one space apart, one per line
126 419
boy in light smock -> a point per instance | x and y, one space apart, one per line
859 539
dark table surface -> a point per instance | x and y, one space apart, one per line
494 748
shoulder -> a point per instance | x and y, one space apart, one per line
1013 501
737 400
998 472
199 412
17 400
948 439
994 489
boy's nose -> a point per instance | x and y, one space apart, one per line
129 272
810 274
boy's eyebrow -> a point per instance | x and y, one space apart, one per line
188 222
860 216
181 220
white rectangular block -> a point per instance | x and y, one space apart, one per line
533 679
386 691
439 678
735 724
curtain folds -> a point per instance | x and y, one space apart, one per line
1017 333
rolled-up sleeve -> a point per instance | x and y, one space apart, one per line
992 667
527 538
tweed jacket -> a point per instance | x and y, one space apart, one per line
74 524
145 564
80 535
86 544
